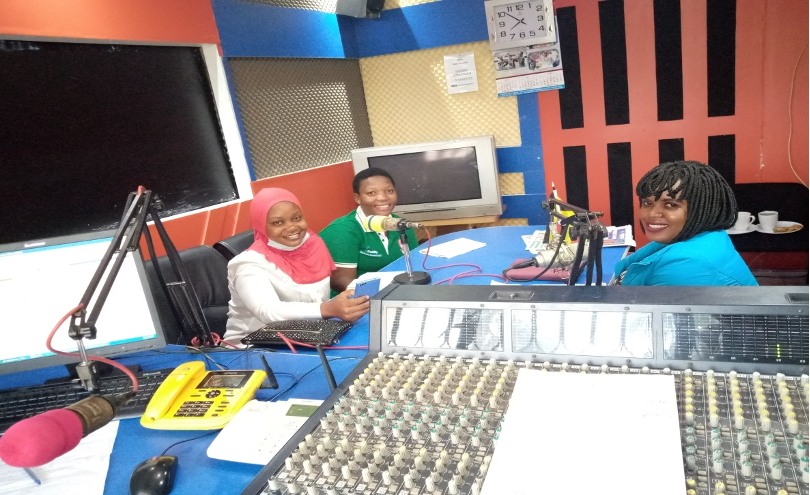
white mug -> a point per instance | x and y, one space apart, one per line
768 219
744 219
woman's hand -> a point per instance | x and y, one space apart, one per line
344 307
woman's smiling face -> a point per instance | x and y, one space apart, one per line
377 196
662 219
286 224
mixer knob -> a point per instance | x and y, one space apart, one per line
716 443
408 481
771 448
719 488
714 420
386 476
690 439
604 368
804 379
750 490
780 377
806 475
739 422
546 365
584 368
765 424
691 463
690 418
326 469
744 457
709 373
717 465
687 372
645 369
776 471
289 463
793 426
625 368
801 449
292 487
666 371
747 469
803 462
334 463
430 486
345 472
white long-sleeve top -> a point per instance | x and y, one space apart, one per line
261 293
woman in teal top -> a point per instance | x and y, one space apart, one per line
355 249
685 208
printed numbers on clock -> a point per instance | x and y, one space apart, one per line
521 20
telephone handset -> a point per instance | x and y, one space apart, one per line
191 398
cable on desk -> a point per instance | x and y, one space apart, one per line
296 382
290 341
450 280
188 440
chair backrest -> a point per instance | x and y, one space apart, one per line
208 274
234 244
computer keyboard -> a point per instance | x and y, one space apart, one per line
325 332
20 403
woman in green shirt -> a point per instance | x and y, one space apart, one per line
355 249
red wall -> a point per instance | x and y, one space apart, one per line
189 21
771 42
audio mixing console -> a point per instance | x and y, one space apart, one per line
423 412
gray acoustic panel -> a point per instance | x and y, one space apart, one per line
300 113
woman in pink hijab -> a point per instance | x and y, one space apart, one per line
284 274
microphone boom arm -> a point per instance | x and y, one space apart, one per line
126 239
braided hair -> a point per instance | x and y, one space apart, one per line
710 200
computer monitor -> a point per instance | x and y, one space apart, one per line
40 281
441 180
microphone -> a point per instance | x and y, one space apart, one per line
379 223
42 438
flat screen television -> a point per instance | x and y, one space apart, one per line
40 281
440 180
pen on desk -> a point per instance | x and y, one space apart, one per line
32 476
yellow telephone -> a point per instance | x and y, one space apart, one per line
191 398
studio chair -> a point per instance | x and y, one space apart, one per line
208 274
234 244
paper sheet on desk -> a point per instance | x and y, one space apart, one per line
588 433
81 471
385 278
454 248
260 429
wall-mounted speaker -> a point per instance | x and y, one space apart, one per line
369 9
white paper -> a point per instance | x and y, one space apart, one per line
258 431
454 248
620 236
81 471
460 72
588 433
385 278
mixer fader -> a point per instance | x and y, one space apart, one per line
426 418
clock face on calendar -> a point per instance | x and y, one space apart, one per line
520 23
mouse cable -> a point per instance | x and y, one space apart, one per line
188 440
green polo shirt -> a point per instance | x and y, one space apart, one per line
351 246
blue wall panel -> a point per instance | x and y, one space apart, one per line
253 30
431 25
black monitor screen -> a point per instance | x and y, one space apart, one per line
432 176
83 125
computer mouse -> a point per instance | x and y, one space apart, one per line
154 476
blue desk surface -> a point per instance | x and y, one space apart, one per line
197 473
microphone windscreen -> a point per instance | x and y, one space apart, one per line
375 223
40 439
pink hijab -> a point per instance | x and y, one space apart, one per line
310 262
